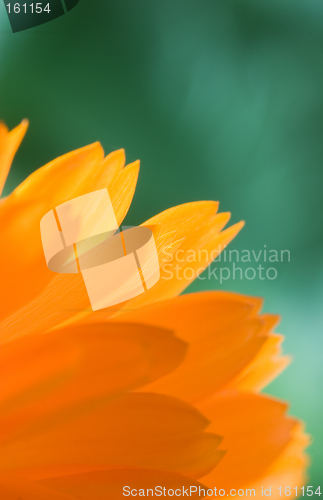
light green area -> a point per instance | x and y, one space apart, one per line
220 99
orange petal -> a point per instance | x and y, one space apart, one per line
215 360
183 233
9 144
146 431
256 432
66 370
16 488
65 299
23 267
191 313
265 367
109 484
288 473
224 335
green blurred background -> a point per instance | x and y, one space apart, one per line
220 99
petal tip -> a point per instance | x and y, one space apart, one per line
25 123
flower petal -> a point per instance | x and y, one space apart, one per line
188 238
68 370
266 366
9 144
142 431
194 314
288 472
183 233
256 432
22 267
16 488
215 360
65 300
109 484
224 336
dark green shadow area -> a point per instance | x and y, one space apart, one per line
70 4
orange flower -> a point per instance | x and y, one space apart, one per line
161 390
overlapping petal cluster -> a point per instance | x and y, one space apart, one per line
160 390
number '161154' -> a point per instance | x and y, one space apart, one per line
36 8
302 491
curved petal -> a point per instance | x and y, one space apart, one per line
147 431
189 314
188 238
23 269
265 367
110 484
256 433
214 361
9 144
70 370
224 334
16 488
288 472
65 300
